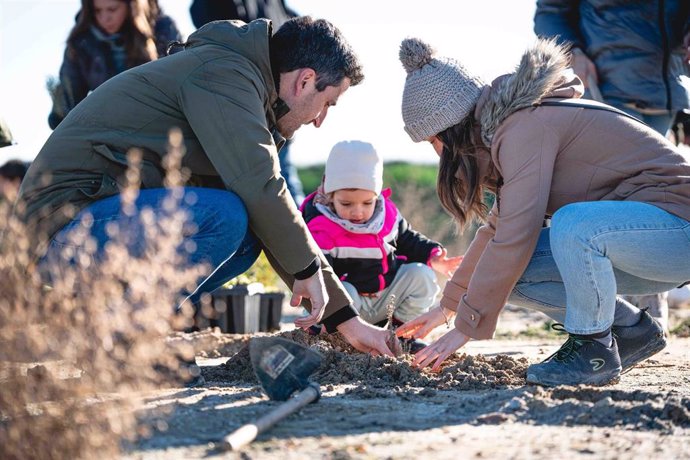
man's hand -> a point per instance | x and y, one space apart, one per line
312 288
369 339
440 349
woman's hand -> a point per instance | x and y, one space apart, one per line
444 264
440 349
419 327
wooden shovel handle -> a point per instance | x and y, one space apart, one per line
247 433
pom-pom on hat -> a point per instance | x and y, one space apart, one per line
353 164
439 92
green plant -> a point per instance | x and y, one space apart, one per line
260 272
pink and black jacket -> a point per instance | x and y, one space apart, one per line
368 261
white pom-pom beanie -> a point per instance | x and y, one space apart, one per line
353 164
439 92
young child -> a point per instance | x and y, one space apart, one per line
381 261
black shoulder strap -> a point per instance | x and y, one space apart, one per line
588 105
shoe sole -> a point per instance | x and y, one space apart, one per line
643 353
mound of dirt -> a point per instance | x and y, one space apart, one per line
343 364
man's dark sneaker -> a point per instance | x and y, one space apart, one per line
639 342
412 346
580 360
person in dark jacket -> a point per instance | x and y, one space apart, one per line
11 175
204 11
635 53
109 37
232 94
383 263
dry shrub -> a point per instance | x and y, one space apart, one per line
76 352
422 209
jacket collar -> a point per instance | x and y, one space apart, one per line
543 72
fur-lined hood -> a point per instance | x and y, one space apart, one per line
543 72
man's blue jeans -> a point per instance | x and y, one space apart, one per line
596 250
216 227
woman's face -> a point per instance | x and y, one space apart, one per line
110 14
436 144
356 205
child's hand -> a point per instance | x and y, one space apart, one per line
443 264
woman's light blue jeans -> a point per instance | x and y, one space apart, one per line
596 250
216 226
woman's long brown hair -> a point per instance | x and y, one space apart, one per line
137 31
459 184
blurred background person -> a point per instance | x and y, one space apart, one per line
635 53
109 37
5 134
204 11
631 55
11 176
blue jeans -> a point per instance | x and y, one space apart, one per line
596 250
216 227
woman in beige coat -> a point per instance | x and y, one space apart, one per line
617 192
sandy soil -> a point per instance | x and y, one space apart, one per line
477 407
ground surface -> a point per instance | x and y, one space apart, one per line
478 407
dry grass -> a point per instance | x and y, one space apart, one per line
76 347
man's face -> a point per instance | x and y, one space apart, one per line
307 105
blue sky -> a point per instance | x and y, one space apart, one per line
488 36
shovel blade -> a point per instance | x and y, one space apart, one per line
282 366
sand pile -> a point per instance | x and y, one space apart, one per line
342 364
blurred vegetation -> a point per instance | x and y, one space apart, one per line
395 173
539 331
260 272
682 329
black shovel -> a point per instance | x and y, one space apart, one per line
283 368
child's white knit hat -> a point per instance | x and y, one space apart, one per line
353 164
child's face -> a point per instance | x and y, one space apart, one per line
355 205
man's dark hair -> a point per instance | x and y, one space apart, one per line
13 169
317 44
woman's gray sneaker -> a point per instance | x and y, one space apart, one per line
580 360
639 342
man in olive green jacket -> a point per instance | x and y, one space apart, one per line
234 92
